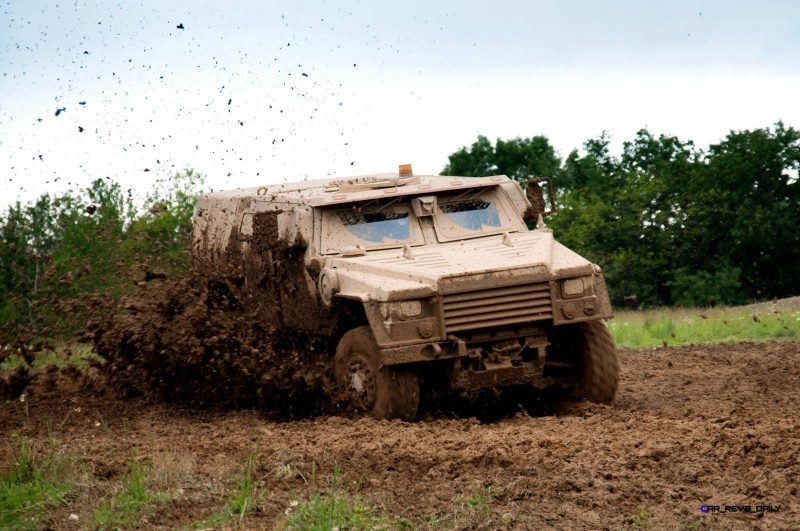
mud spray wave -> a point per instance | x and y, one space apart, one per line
193 340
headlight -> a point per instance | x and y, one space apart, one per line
401 309
573 287
410 309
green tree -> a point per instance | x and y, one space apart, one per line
674 225
742 211
518 158
603 214
57 250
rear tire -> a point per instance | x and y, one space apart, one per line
373 389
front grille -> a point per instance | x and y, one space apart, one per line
493 307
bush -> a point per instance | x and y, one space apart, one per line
707 288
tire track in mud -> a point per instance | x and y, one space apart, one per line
692 425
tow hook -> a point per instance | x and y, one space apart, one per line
460 344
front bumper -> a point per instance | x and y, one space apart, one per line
481 365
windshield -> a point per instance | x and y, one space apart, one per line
472 214
375 227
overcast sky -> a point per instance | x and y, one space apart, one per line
257 92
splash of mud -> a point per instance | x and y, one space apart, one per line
204 341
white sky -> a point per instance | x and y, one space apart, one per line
386 83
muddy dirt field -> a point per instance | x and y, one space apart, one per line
704 425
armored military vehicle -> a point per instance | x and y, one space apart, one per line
412 278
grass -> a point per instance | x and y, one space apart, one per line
241 501
680 326
472 511
642 520
65 355
480 500
335 508
32 485
125 508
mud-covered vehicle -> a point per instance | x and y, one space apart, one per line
415 280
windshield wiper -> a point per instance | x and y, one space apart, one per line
473 191
390 203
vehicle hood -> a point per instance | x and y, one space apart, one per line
391 275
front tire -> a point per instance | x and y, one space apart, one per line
598 364
589 352
372 388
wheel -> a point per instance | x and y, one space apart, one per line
598 367
373 389
589 348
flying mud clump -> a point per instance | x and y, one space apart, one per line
193 340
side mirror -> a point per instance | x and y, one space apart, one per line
540 192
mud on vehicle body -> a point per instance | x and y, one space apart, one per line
416 278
